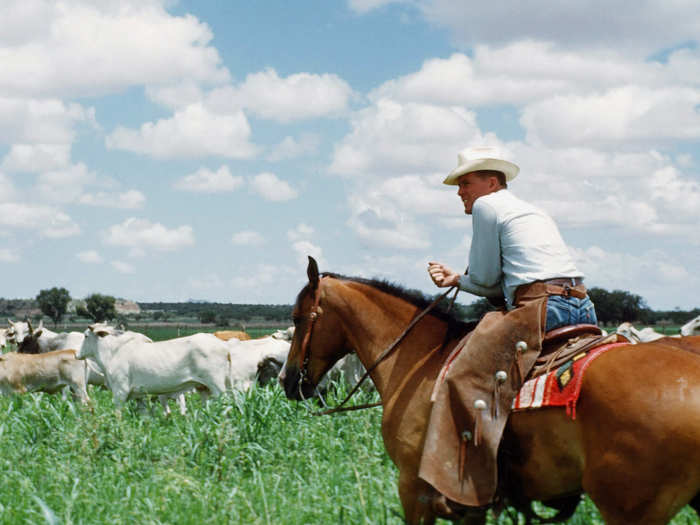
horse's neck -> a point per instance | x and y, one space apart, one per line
374 324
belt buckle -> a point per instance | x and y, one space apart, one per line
567 290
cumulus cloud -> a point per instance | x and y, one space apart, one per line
304 249
43 121
394 138
270 187
193 131
142 235
298 96
301 231
656 275
8 256
593 24
206 181
89 257
291 147
122 267
622 115
127 200
49 48
36 158
247 238
48 221
8 193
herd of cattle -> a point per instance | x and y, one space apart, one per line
132 366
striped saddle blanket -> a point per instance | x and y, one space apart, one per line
561 386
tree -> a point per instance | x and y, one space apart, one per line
618 306
98 307
207 316
54 303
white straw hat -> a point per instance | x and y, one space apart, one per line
481 158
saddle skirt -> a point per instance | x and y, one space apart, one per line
561 386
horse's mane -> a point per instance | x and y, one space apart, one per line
414 297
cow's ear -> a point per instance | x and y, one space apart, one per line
37 334
102 333
312 272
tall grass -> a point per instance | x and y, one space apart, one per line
251 457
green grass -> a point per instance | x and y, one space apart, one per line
244 458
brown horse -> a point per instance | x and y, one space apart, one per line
634 446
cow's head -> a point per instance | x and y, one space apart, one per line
93 334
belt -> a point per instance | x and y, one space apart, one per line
566 286
564 281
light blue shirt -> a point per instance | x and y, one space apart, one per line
513 243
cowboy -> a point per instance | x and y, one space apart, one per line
516 255
514 243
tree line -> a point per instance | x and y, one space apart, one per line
612 308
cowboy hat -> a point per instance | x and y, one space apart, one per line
481 158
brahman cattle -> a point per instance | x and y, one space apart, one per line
645 335
253 358
134 369
226 335
692 327
48 340
49 372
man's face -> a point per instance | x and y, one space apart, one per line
471 187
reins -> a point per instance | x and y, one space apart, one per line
313 315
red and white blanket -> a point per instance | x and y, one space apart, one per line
561 386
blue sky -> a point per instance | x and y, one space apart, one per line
159 150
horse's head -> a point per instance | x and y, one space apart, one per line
318 341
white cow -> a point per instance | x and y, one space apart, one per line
49 372
645 335
48 340
135 369
3 337
692 327
251 359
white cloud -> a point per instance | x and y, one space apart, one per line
656 275
298 96
291 148
122 267
46 220
272 188
44 121
206 181
8 256
193 131
304 249
301 231
142 235
36 158
593 24
247 238
393 138
128 200
624 115
8 193
255 279
363 6
89 257
78 48
66 184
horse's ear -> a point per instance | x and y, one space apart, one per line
312 272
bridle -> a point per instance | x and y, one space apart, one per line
304 357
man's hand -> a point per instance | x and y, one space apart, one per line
442 275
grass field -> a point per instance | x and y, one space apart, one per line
244 458
251 457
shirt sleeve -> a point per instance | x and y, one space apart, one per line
485 269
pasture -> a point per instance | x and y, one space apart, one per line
251 457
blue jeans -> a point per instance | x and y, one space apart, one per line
564 311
